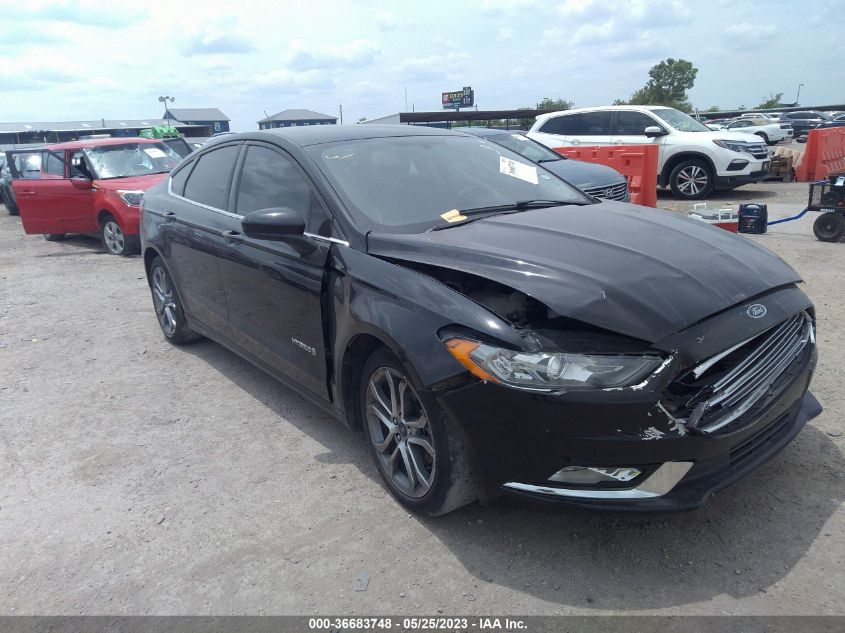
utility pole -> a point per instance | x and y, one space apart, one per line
406 97
164 100
799 94
340 107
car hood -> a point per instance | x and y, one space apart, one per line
130 182
632 270
584 175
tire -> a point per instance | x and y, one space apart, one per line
691 180
114 240
54 237
11 207
168 307
765 138
829 227
445 481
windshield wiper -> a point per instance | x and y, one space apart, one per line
512 207
549 160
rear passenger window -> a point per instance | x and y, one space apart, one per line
209 181
53 165
271 180
581 124
632 123
177 180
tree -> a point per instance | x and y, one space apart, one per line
554 104
713 109
667 85
772 101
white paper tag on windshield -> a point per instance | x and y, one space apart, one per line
522 171
154 152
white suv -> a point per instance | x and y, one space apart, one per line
693 160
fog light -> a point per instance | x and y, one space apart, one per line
591 475
737 164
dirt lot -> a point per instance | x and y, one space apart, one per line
140 478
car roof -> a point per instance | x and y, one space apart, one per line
99 142
316 134
635 108
488 131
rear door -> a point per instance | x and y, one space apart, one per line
192 234
47 199
274 288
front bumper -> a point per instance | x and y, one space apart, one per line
728 182
518 440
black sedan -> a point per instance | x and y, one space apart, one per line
803 122
597 180
488 326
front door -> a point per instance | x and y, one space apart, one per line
274 288
48 200
629 129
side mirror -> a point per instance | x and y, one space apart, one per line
273 224
653 131
80 182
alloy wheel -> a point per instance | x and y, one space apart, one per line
164 300
692 180
113 237
400 432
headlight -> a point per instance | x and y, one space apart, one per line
131 197
541 371
734 146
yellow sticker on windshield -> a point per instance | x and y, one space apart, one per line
453 216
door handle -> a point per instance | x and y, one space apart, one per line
233 236
168 215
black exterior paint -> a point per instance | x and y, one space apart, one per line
683 293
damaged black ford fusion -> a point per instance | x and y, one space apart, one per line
489 327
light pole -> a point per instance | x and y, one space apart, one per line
799 93
164 100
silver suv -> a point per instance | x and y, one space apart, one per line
693 160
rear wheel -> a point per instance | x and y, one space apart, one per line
115 241
169 312
829 227
691 180
417 451
765 138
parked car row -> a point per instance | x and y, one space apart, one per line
693 160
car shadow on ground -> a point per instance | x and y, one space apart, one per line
732 195
741 543
77 245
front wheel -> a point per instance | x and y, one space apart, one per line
829 227
168 307
691 180
417 451
115 241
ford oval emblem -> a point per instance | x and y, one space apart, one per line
756 310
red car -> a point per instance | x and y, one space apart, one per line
91 186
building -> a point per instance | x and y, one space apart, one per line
519 119
294 117
212 118
39 132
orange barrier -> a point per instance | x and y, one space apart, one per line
824 155
638 163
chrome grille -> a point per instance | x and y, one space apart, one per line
734 389
619 191
758 150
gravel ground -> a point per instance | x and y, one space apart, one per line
140 478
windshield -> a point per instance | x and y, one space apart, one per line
680 121
524 146
407 184
131 159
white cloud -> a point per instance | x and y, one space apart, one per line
751 32
354 54
388 21
504 34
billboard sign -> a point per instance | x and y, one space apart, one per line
459 99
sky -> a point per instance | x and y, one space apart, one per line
76 60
